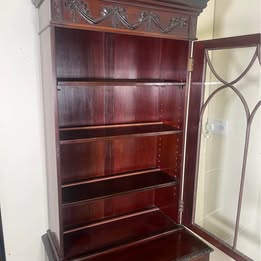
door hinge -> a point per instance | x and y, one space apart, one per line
190 65
181 206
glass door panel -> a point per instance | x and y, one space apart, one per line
228 187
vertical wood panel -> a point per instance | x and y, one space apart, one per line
79 54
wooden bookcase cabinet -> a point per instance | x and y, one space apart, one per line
115 102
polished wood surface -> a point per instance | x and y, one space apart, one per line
105 158
119 102
118 56
112 234
117 99
175 19
84 192
178 245
173 245
89 135
101 210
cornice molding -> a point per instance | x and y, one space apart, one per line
118 16
37 3
192 3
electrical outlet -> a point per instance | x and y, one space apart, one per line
217 127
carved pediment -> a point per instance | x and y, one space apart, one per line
192 3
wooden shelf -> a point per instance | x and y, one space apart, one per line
79 135
120 232
178 245
81 193
115 82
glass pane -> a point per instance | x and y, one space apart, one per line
239 59
223 129
223 133
229 64
249 86
249 237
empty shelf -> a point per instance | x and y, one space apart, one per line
179 245
76 194
91 134
117 233
115 82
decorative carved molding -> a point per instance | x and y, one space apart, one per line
57 9
37 3
120 17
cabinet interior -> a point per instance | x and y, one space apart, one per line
120 105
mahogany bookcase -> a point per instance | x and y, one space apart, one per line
115 81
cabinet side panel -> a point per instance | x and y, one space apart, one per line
51 133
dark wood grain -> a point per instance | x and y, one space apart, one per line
175 246
192 134
100 210
133 154
116 233
79 54
105 158
162 26
119 102
77 194
116 96
118 56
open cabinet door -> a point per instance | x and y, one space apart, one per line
222 170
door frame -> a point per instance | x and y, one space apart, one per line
191 151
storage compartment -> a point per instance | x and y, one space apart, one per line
83 161
101 210
121 110
89 55
115 89
119 102
113 233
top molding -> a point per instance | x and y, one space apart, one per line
201 4
174 19
37 3
192 3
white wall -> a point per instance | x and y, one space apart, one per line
22 156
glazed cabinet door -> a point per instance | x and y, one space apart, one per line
223 146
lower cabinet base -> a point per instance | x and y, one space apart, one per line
180 245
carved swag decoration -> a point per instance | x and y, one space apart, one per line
120 18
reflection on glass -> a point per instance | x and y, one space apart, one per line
249 237
229 64
223 132
223 128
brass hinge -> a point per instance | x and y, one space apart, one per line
190 65
181 206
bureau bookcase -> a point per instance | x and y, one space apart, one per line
115 81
